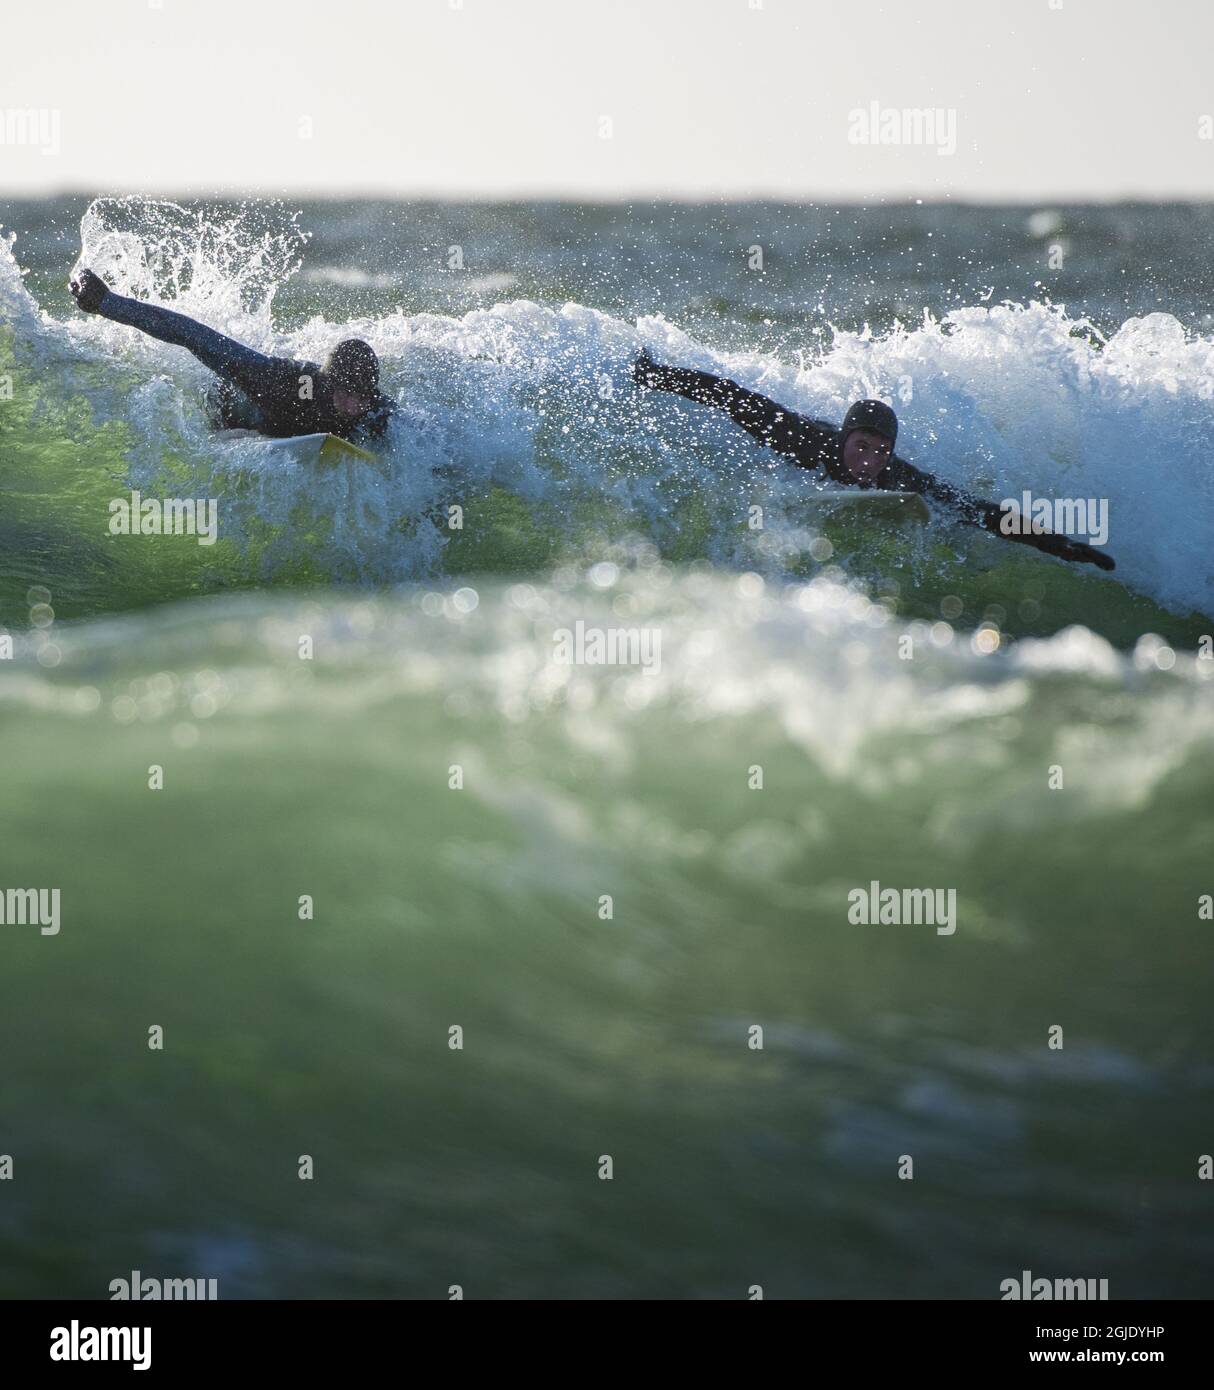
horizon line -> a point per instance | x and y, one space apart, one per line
615 199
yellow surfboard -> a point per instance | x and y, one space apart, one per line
335 450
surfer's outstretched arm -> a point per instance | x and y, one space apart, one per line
253 372
905 477
782 430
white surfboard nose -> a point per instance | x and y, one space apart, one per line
309 448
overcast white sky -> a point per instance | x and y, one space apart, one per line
1054 99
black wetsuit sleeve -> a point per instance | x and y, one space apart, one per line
264 379
901 476
800 438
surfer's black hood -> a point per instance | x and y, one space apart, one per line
354 366
870 415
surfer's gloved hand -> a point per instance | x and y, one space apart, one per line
647 372
1078 551
88 290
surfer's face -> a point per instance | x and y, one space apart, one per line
348 404
865 454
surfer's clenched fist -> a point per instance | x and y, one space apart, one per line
88 290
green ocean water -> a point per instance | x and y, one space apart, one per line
921 708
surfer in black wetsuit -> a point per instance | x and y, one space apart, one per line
277 396
860 454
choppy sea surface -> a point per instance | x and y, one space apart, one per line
613 881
